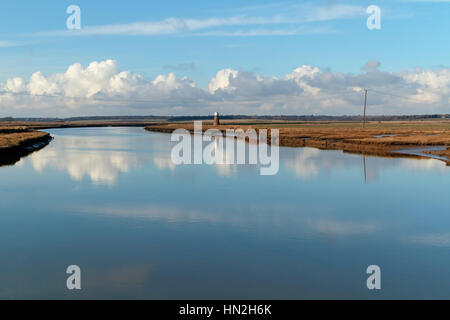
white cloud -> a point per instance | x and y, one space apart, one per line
301 75
15 85
267 32
274 15
99 85
222 80
101 88
232 84
429 79
334 12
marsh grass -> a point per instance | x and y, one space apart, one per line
12 137
345 136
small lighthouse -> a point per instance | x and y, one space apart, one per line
216 119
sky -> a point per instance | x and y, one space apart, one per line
234 57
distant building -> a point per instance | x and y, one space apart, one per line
216 119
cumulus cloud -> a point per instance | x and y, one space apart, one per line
231 84
99 86
302 75
222 80
102 88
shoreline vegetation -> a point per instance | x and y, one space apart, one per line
386 139
431 137
17 142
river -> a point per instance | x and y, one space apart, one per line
111 201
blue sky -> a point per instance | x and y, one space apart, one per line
196 39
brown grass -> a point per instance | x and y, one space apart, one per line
442 153
346 136
13 137
16 142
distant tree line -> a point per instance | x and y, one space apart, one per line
240 117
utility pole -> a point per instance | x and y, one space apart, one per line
365 106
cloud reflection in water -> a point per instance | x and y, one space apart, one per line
94 158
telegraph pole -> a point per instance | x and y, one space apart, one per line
365 106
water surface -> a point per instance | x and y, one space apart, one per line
111 201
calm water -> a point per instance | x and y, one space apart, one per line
111 201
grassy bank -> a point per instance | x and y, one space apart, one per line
13 137
16 142
377 138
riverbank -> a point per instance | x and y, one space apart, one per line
20 138
17 142
377 138
380 138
